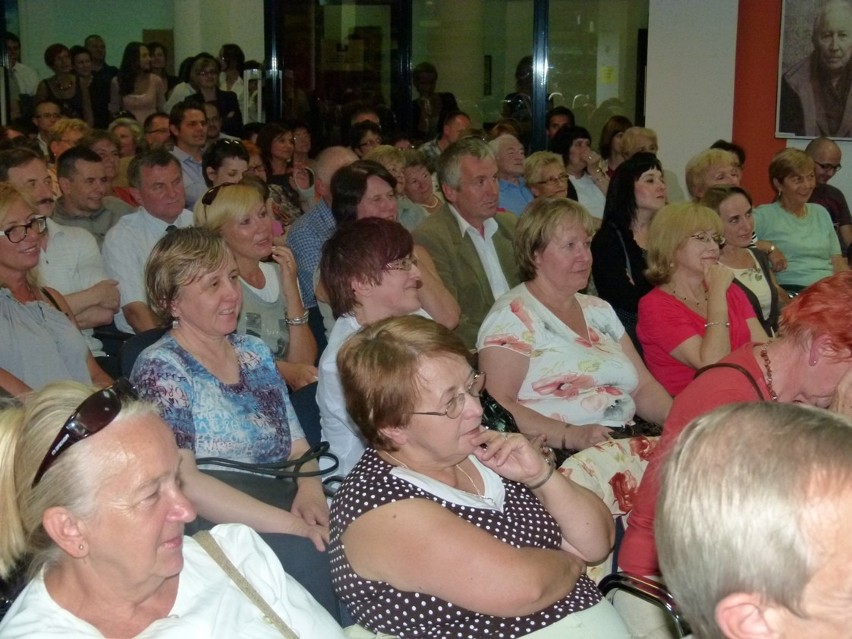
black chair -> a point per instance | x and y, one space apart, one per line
647 590
131 349
304 402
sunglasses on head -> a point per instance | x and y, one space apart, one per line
94 413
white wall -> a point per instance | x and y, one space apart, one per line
690 85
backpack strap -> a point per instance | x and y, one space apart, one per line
736 367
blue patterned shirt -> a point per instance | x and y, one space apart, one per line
306 238
250 421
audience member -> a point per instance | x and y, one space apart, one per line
711 167
157 184
62 87
203 80
558 360
95 95
583 166
233 402
722 541
827 156
545 176
611 144
39 340
101 510
430 106
224 162
309 232
97 47
752 270
135 88
188 126
302 145
509 154
24 77
409 214
231 61
637 191
277 147
810 363
470 243
129 134
106 145
369 272
428 478
556 118
364 137
159 63
450 130
156 133
46 114
801 230
638 139
272 306
419 186
693 317
65 134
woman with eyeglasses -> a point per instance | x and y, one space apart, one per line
272 306
444 528
803 231
752 269
94 512
218 389
545 175
204 82
558 360
637 191
39 339
135 88
693 317
369 272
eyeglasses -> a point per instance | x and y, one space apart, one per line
708 238
402 264
208 73
556 180
829 167
49 116
95 413
455 406
18 232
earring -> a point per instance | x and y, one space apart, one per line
81 547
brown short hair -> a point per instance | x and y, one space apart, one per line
670 229
380 371
789 162
178 259
538 224
359 250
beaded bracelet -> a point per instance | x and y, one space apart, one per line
296 321
709 324
545 480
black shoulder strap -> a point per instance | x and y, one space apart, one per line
736 367
52 300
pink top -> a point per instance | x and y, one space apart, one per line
665 323
141 105
716 387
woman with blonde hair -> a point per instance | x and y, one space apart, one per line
693 317
39 339
545 176
409 214
272 306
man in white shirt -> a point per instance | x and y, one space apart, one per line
47 113
188 125
24 79
155 181
470 243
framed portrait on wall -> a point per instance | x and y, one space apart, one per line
814 70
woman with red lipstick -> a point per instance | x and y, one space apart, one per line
637 191
558 360
272 306
39 339
444 528
94 511
219 390
752 270
694 317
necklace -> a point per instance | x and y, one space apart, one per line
686 300
470 479
765 355
396 460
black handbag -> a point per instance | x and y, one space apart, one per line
495 416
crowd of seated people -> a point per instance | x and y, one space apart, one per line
584 289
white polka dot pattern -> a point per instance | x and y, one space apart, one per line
381 608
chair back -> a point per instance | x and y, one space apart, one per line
131 349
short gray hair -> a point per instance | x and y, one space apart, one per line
735 532
449 163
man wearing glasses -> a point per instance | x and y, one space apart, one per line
827 156
46 115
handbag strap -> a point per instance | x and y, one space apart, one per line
736 367
208 543
281 468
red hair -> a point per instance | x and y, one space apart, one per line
821 310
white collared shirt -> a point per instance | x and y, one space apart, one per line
485 249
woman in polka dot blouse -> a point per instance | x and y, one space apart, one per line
445 529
